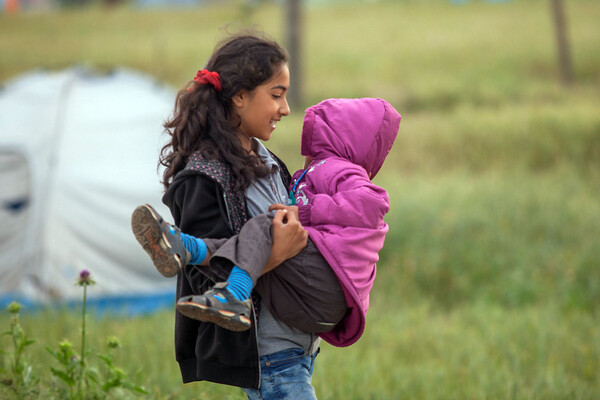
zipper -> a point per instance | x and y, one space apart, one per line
292 194
256 335
227 211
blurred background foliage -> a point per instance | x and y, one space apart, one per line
494 177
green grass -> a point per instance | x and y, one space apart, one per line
476 351
489 283
513 240
470 353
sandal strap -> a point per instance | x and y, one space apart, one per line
219 298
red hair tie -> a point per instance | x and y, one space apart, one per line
212 78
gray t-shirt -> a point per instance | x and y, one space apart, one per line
274 335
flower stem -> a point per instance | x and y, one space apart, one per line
82 362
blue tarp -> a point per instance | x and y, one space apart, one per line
123 305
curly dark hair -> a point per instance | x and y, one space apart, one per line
202 119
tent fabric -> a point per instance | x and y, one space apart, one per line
78 152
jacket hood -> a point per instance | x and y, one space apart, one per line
359 130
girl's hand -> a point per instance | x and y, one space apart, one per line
289 237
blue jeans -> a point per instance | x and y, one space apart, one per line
285 375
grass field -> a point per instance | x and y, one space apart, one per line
489 283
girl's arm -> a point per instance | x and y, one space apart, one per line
289 237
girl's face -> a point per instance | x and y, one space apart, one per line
261 109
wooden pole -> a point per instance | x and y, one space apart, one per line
562 42
294 47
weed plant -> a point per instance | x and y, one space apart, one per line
15 368
76 378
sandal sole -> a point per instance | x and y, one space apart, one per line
150 237
225 319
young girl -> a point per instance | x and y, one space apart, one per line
345 142
217 176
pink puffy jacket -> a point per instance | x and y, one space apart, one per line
339 206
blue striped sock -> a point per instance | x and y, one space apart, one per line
196 247
239 284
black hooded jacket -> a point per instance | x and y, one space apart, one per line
205 203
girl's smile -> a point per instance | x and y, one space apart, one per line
260 110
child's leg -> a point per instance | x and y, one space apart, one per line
167 246
244 255
249 249
304 292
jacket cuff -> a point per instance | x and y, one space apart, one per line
304 214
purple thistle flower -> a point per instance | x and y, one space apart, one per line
85 278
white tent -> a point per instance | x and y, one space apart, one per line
78 152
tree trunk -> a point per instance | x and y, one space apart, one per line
562 42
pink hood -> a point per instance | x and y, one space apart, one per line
359 130
338 204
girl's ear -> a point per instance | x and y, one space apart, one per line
239 99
